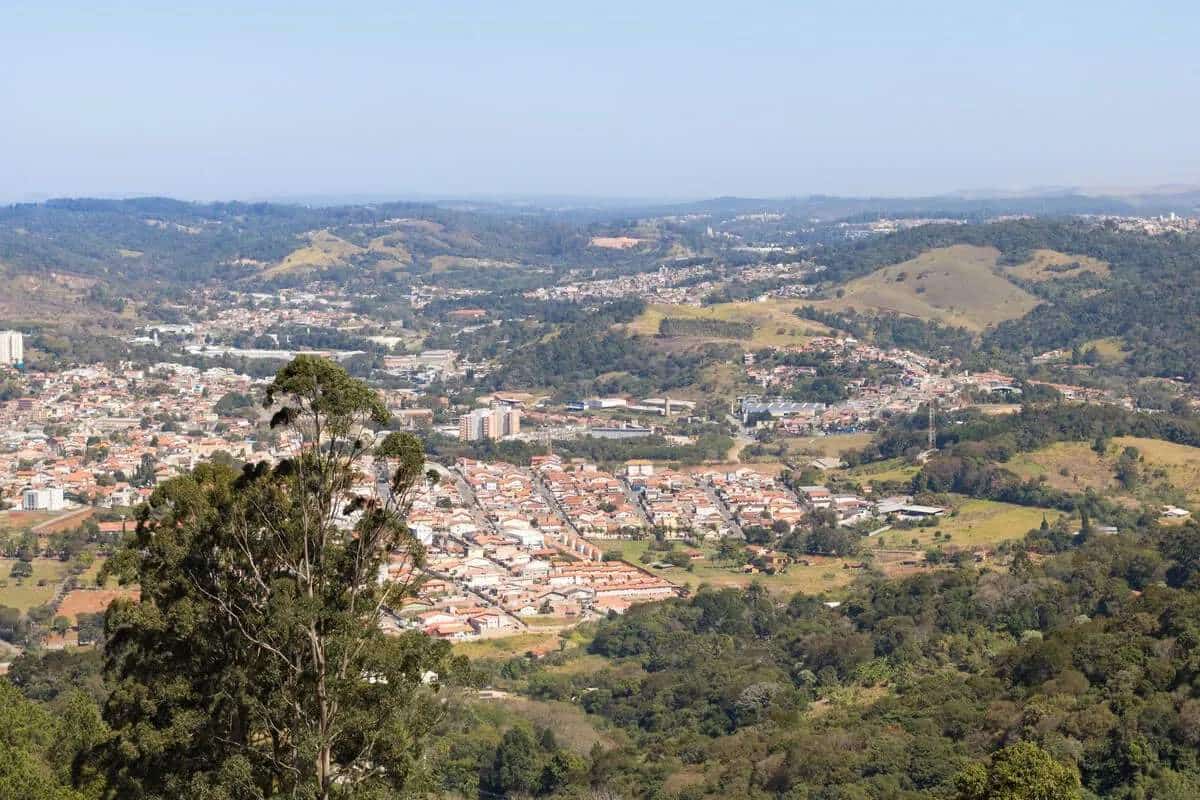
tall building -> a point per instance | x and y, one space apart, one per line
12 348
489 423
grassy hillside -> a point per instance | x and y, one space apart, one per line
1166 468
325 249
1180 463
774 323
322 251
1068 466
1050 265
957 285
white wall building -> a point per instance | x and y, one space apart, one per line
12 348
50 499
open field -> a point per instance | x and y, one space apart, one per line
977 523
87 578
1110 350
774 323
828 446
1049 265
722 380
392 246
32 299
631 549
825 576
957 285
1180 462
91 601
588 662
893 469
15 522
443 263
323 250
505 647
1074 466
1067 466
572 726
997 409
25 593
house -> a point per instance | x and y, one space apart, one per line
639 468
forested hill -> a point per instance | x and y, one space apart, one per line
1150 297
1071 674
172 241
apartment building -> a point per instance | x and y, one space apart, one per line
12 348
489 423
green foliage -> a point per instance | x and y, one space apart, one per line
36 747
893 330
574 359
1023 771
1052 680
719 328
254 664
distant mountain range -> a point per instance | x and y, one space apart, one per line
1180 198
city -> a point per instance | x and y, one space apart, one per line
533 401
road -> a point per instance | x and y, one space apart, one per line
636 501
726 514
484 524
552 501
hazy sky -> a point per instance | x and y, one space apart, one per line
645 99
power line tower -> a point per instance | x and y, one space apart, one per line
932 428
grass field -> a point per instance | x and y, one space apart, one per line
1110 350
15 522
1074 467
893 469
506 647
25 593
1049 265
631 549
829 446
87 578
1067 466
323 250
977 523
774 323
957 285
1180 462
824 577
828 576
997 409
444 262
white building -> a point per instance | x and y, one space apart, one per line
489 423
50 499
12 348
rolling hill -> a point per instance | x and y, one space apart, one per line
958 285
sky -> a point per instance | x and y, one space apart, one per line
648 100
